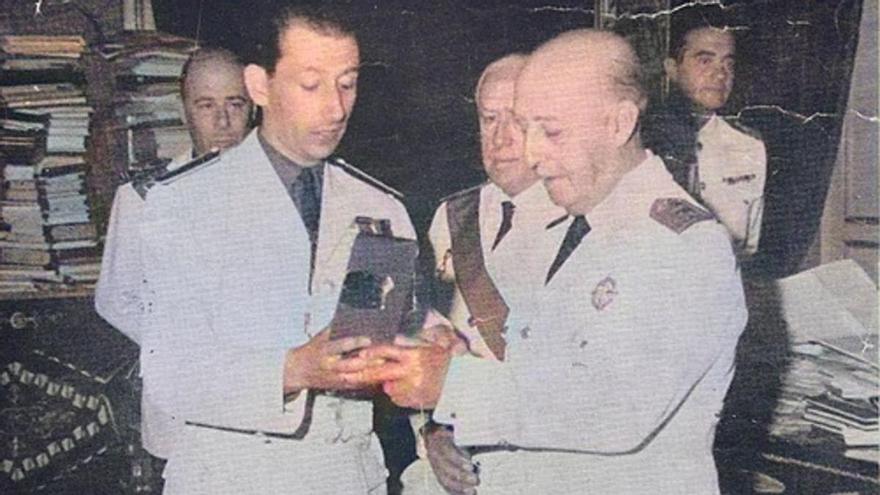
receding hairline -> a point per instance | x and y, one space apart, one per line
508 66
328 31
599 52
202 57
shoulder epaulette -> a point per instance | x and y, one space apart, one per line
678 214
748 131
365 177
192 166
463 192
142 180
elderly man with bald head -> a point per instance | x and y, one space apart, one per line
480 236
619 362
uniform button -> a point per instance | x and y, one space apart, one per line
525 332
453 415
583 344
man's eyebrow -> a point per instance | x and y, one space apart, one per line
236 98
203 99
702 53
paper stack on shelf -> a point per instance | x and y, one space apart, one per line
147 68
44 128
40 53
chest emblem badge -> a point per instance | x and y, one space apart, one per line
604 293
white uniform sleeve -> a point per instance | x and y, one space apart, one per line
120 295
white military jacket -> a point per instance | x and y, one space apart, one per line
226 259
732 172
119 297
507 264
616 370
533 212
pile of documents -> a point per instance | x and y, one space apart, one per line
44 128
832 383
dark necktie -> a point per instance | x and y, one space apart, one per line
578 229
306 192
507 209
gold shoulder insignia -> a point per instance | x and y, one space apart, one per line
678 214
360 174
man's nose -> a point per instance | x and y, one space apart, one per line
334 105
503 135
721 71
534 147
222 118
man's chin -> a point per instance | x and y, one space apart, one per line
712 102
223 144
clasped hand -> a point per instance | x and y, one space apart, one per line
413 369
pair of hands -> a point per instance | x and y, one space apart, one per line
411 370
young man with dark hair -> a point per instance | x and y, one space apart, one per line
244 261
720 162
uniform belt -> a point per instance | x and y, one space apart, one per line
299 434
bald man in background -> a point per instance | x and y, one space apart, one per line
217 110
615 373
216 104
485 231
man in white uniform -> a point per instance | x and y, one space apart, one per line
613 379
508 215
244 261
217 109
718 160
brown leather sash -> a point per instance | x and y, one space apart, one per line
485 304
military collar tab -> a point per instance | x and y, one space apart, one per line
193 166
144 181
351 170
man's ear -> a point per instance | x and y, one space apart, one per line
670 66
624 122
256 80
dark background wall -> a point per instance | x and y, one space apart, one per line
414 126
